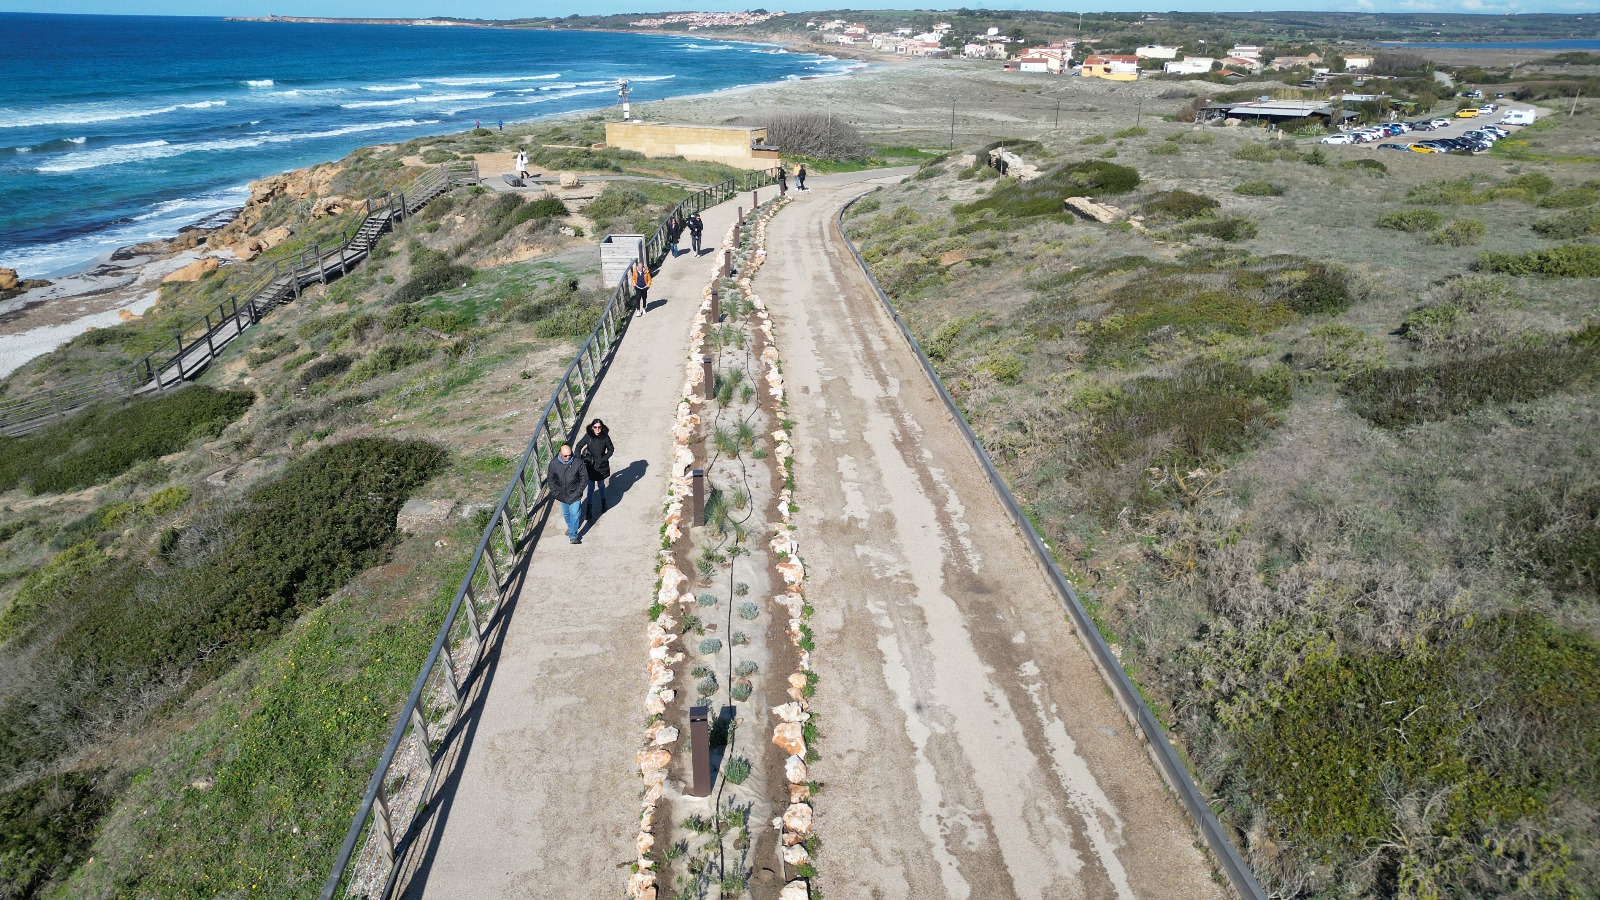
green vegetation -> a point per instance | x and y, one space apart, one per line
1260 188
46 827
1578 223
1177 206
1044 195
1566 261
1460 233
1411 220
107 439
1396 398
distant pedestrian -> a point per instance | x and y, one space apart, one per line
674 233
502 124
477 124
595 449
522 164
641 288
783 181
568 479
800 178
697 226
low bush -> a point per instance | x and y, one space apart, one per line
391 358
1448 192
46 829
1133 132
1397 398
431 272
1225 228
107 439
1553 534
1411 220
556 310
1583 222
325 368
1460 233
1259 188
1586 194
1567 261
1263 151
1365 165
1178 206
1323 290
1165 149
1044 195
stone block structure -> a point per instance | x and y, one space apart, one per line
737 146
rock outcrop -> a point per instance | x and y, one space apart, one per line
8 279
193 271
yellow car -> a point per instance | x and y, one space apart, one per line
1466 113
1418 148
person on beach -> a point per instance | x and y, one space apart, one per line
502 124
800 178
674 233
783 181
522 164
641 288
595 449
569 479
697 226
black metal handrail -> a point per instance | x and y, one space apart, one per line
1167 761
454 662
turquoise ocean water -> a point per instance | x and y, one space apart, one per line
117 129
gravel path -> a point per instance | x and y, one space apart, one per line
969 747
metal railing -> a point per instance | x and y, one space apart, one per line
1166 759
455 663
196 343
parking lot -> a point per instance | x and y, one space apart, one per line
1442 134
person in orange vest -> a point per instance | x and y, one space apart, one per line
641 288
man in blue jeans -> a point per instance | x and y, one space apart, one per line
569 479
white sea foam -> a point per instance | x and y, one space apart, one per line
89 113
387 88
63 257
259 82
491 79
78 140
431 98
151 150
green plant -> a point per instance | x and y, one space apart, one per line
1225 228
46 829
1566 261
706 687
1582 222
1411 220
1460 233
109 438
749 611
1259 188
1396 398
739 639
706 599
736 770
746 669
740 691
710 646
1131 132
1178 206
1365 165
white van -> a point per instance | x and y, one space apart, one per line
1517 117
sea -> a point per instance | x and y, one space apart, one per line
120 129
1554 46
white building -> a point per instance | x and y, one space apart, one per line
1357 63
1189 65
1156 51
1246 51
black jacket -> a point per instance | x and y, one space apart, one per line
696 226
596 451
568 480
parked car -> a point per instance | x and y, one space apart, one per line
1487 108
1468 113
1439 123
1517 117
1338 139
1426 147
1422 126
1392 147
1495 130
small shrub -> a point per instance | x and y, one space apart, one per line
749 611
746 669
1165 149
391 358
1554 535
1178 206
1567 261
431 273
1460 233
1259 188
1572 198
1411 220
1225 228
706 687
1365 165
1575 224
326 367
710 646
1447 192
740 691
1132 132
1094 140
1397 398
107 439
706 599
736 770
1324 290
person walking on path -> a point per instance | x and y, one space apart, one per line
569 478
522 164
697 226
783 181
800 178
595 449
674 233
641 288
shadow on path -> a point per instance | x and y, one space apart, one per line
616 489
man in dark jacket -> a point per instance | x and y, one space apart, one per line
569 478
595 449
697 226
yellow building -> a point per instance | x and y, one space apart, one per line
740 147
1111 68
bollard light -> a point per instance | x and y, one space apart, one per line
705 364
699 495
700 749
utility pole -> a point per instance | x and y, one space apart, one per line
622 91
1138 115
952 126
1058 113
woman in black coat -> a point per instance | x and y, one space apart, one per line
595 449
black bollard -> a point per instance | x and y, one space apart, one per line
700 748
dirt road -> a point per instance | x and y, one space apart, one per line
969 747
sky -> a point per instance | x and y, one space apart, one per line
505 9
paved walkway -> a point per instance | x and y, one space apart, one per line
545 799
969 746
